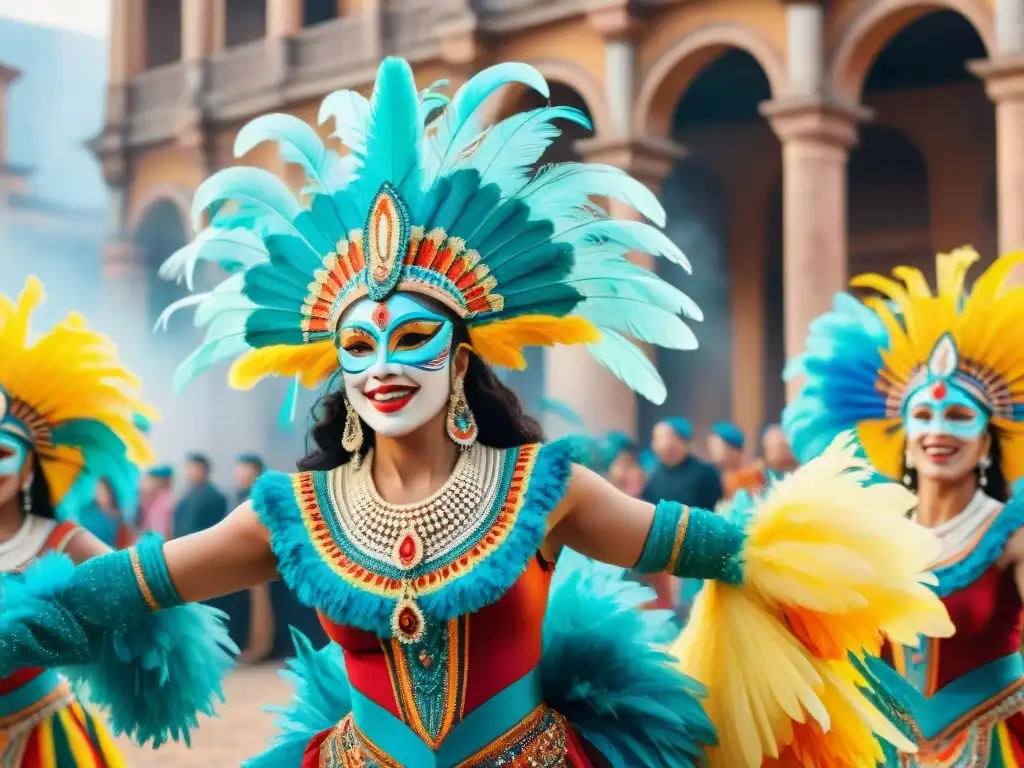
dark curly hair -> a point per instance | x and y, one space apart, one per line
500 417
39 491
995 482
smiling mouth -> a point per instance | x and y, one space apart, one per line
941 454
391 398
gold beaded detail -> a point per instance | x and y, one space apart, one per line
677 544
140 579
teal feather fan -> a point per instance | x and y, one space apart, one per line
428 200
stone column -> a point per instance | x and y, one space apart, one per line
284 21
284 18
816 140
572 375
1009 26
805 25
1004 83
198 32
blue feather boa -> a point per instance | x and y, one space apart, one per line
155 676
321 699
602 668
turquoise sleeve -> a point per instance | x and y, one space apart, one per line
56 613
693 543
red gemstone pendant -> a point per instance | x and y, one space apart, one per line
408 552
939 390
407 621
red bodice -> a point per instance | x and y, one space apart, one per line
503 643
988 616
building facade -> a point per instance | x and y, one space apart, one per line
793 143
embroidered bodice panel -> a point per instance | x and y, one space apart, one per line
458 666
982 598
471 569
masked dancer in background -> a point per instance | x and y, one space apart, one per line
934 387
66 422
426 524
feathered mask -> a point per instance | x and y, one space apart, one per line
867 359
427 201
67 395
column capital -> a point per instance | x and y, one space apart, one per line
612 19
1003 76
648 159
812 119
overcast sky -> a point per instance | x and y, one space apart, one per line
91 17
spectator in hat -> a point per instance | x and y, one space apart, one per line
725 447
202 506
680 476
775 448
156 508
622 459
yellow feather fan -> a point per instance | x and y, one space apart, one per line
62 386
832 565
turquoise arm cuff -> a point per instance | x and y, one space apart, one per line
56 613
693 543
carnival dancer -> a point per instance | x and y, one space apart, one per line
934 386
66 420
425 525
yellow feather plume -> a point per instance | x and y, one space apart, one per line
312 363
502 342
67 374
831 566
984 324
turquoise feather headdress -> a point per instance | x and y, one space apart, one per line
430 202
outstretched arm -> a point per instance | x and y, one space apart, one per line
598 520
122 616
231 556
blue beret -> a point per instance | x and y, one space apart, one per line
617 443
730 433
161 471
250 458
680 426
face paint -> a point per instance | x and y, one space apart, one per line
13 453
941 409
395 359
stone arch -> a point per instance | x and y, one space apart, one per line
175 194
889 220
699 380
583 82
873 23
160 229
671 74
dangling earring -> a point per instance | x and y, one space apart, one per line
983 465
352 436
26 497
908 464
462 428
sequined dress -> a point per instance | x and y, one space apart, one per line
969 711
438 613
42 725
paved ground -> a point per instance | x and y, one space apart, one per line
241 730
